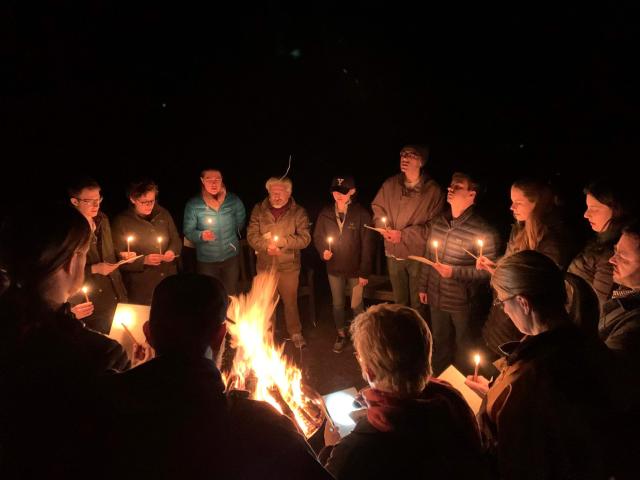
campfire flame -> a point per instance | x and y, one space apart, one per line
260 367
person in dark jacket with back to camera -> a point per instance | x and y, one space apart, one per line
170 417
153 234
48 359
212 222
415 426
102 276
607 211
348 248
453 286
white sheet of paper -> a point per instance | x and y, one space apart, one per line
129 260
456 379
133 316
339 406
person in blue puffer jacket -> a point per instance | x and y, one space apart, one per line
212 222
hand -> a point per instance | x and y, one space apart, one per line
273 250
362 281
480 386
141 354
326 255
83 310
168 256
153 259
423 298
483 263
103 268
331 434
208 236
393 236
127 255
445 271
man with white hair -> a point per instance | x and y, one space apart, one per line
277 231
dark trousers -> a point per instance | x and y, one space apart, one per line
228 272
453 341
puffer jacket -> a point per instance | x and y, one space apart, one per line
226 224
454 235
292 230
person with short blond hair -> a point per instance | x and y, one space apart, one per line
415 426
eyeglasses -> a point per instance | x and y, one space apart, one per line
146 203
409 154
90 201
498 302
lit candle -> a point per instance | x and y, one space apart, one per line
435 246
129 240
275 239
480 244
160 245
384 221
209 221
476 359
85 290
330 241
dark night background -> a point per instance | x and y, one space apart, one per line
123 89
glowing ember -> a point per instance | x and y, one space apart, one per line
259 366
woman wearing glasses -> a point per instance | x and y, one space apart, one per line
102 276
147 229
550 412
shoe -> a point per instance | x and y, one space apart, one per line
298 340
341 342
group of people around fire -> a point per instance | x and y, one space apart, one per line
562 326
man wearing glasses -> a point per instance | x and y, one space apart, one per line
403 206
102 277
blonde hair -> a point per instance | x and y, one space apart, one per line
286 182
529 235
536 277
394 343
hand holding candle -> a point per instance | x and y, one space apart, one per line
435 247
476 359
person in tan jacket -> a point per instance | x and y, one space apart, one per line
278 229
403 206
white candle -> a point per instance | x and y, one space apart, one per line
160 245
480 244
85 290
476 359
129 240
330 241
435 246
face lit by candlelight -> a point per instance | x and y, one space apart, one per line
212 181
626 261
342 198
521 206
88 202
278 195
458 194
410 161
598 214
145 203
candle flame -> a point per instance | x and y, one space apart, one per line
159 239
85 290
209 221
275 238
476 359
480 243
130 238
384 219
435 244
329 239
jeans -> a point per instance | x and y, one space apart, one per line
338 292
405 279
453 340
228 272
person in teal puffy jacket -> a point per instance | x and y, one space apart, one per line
212 222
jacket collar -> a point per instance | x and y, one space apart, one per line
532 346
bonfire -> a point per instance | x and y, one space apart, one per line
260 367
